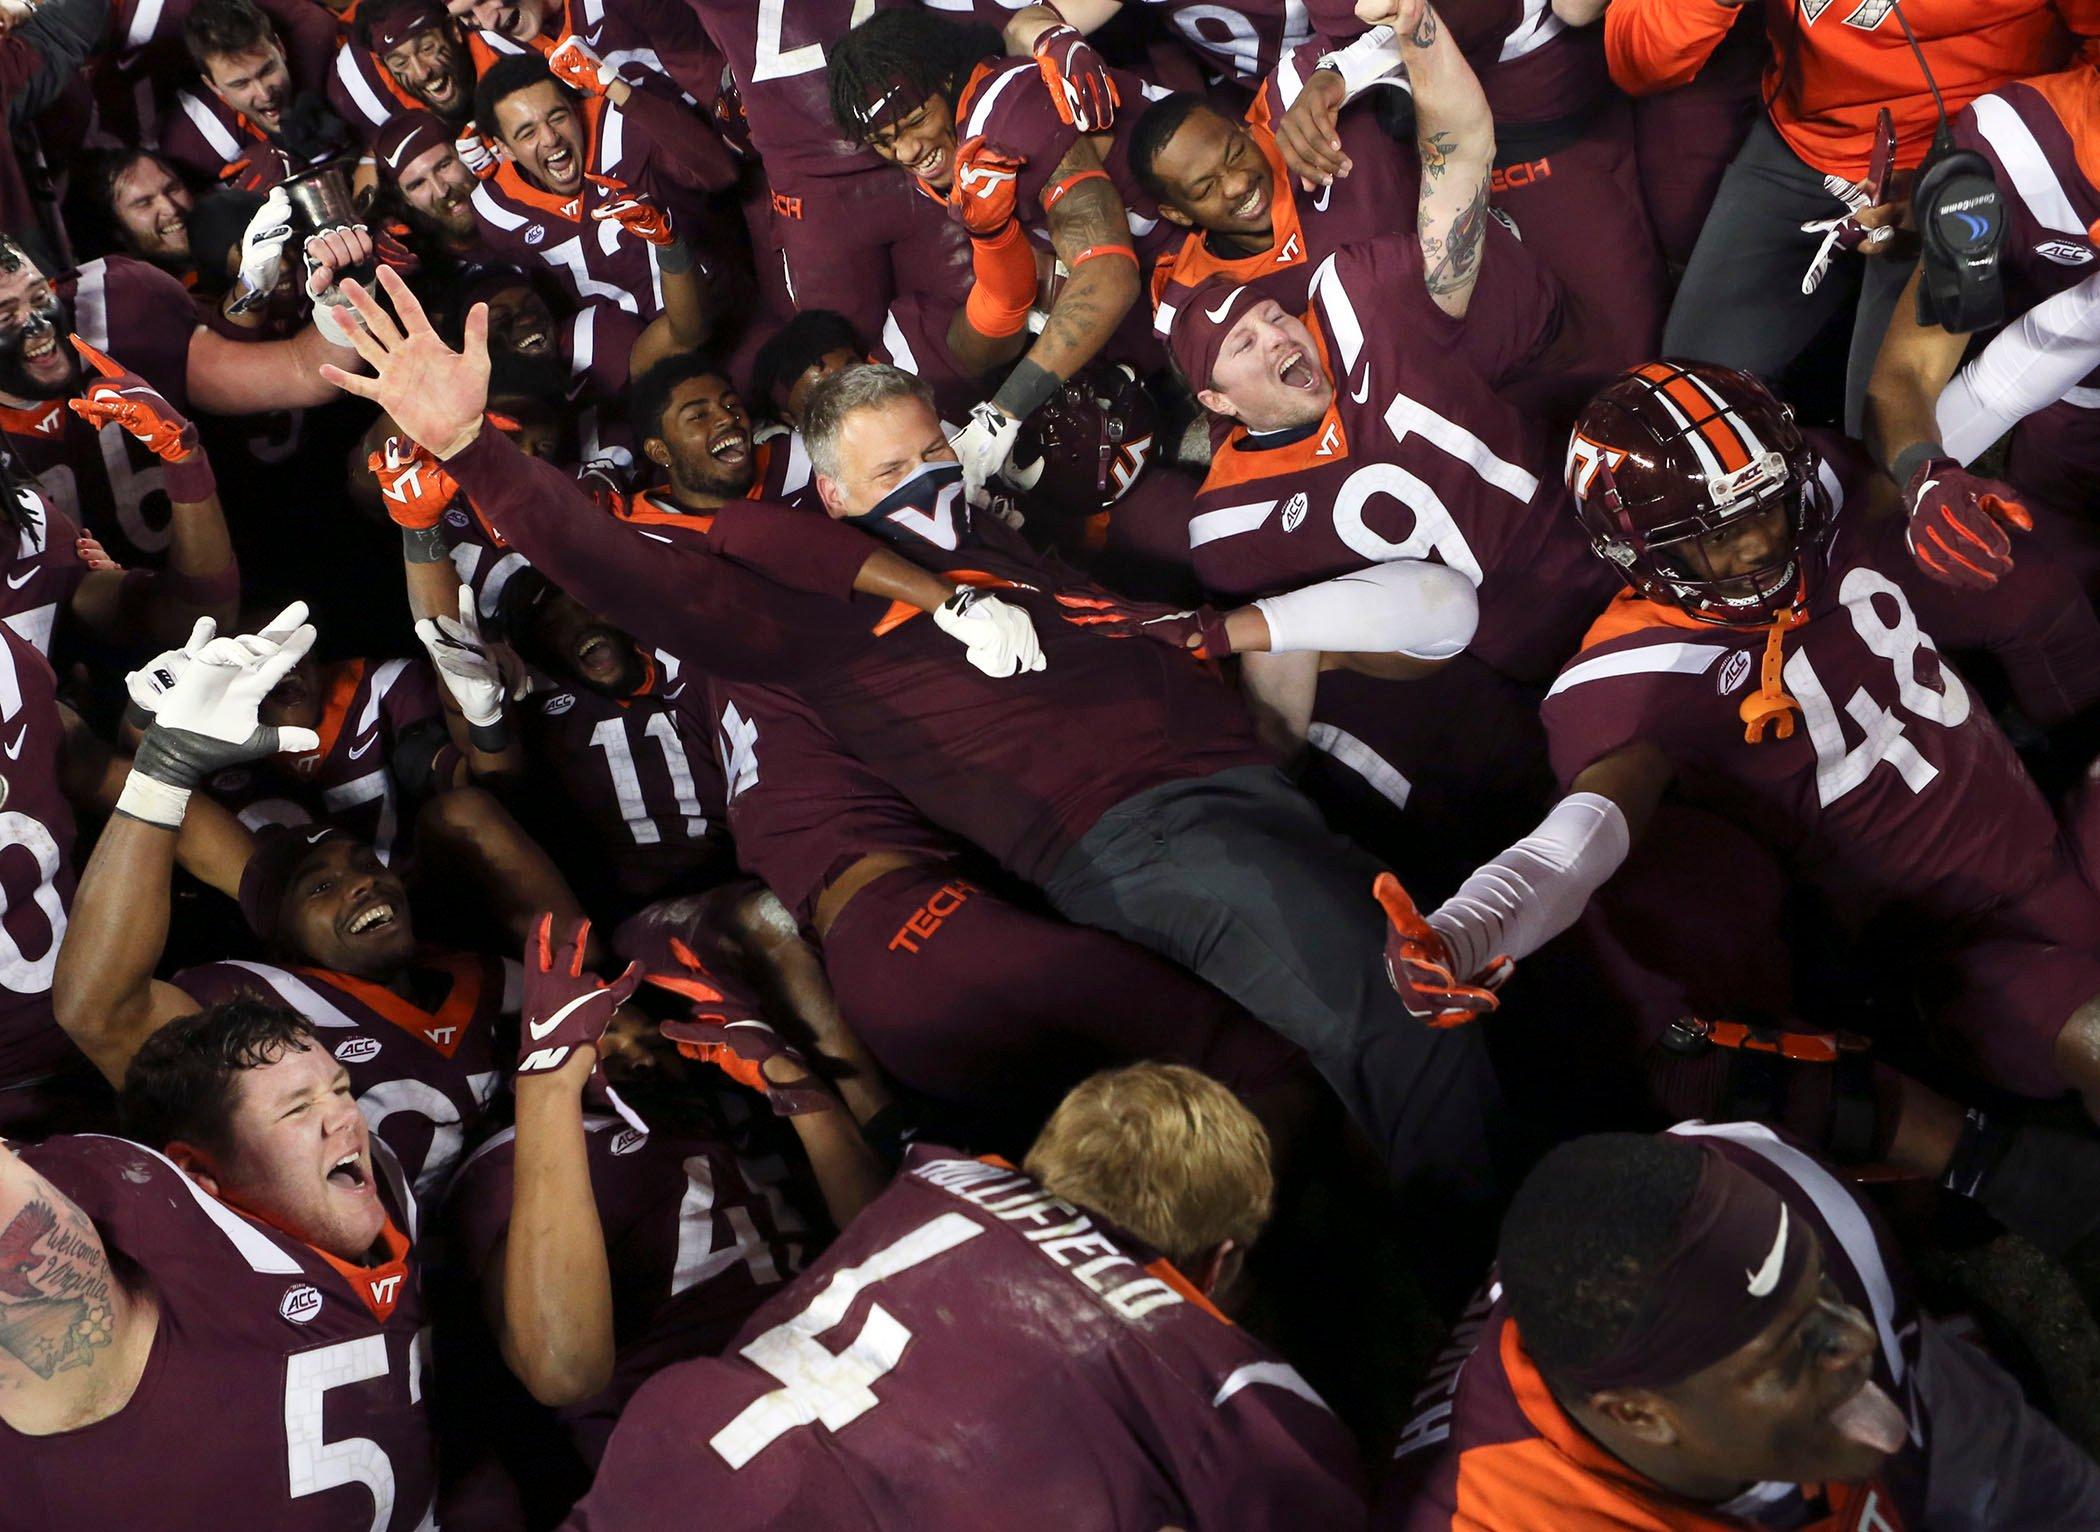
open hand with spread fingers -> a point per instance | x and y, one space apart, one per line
435 394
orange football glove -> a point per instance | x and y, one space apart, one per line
577 66
632 211
1419 966
986 189
725 1032
413 484
124 398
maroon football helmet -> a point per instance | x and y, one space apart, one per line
1672 452
1088 444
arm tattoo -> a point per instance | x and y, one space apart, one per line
1425 33
1455 261
423 545
1436 149
1088 216
57 1294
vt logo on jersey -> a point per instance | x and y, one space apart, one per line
1291 250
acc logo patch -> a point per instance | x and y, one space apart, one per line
627 1140
455 517
1735 670
1294 511
300 1303
2065 252
558 704
535 234
355 1050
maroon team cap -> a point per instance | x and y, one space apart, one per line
394 30
406 137
1732 1269
1196 330
280 851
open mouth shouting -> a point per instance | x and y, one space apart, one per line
931 167
598 657
1294 369
730 446
350 1174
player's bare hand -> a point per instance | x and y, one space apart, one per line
434 393
332 252
1403 16
1312 149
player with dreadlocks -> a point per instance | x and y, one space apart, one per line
1021 156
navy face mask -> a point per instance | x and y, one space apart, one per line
927 507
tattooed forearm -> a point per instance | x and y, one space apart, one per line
1453 262
1436 150
1424 33
57 1295
1100 291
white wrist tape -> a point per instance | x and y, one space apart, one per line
2028 366
1365 61
1532 892
1409 606
153 800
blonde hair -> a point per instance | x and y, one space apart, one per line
1162 1151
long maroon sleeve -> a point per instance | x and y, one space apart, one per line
673 595
683 146
802 550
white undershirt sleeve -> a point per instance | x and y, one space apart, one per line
2029 365
1515 904
1408 606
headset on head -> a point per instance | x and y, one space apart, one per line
1960 219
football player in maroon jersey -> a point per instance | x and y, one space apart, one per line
260 110
990 137
404 55
1174 807
1765 595
251 1250
1056 1327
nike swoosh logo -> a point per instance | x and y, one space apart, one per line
1766 1277
1217 315
16 582
1363 388
361 749
14 746
1320 202
540 1029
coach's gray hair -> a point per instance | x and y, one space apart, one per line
861 386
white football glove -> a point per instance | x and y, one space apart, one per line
998 636
157 677
205 713
470 672
262 250
474 152
984 446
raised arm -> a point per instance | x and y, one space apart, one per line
1655 45
74 1339
232 377
204 699
1455 134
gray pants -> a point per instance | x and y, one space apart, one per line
1741 304
1236 877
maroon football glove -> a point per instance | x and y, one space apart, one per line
1117 617
565 1008
725 1031
126 399
1419 966
1957 524
1079 81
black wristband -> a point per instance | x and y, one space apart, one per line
423 545
1026 389
676 258
889 1132
490 738
1907 462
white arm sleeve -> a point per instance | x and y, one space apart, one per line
1532 892
1409 606
2028 366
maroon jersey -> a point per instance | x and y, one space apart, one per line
106 480
1416 458
1008 106
348 779
40 571
767 596
285 1388
1538 69
640 38
1305 227
803 810
638 773
595 261
1896 789
1248 38
363 92
36 862
210 138
1492 1439
974 1352
421 1076
2040 136
697 1237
